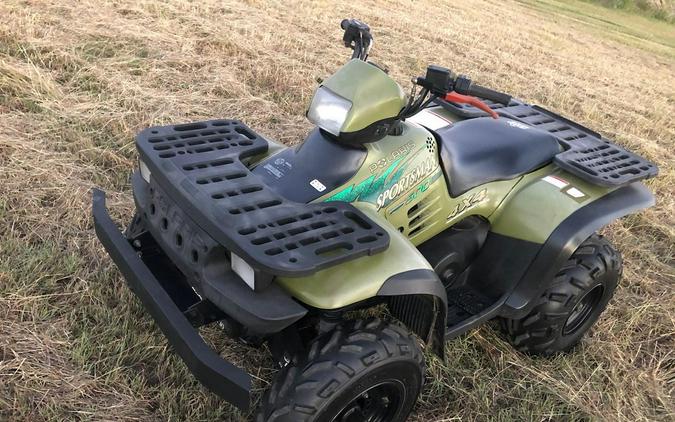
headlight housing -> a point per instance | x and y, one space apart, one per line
328 110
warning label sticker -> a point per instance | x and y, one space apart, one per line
556 181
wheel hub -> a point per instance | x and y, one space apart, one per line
582 310
379 403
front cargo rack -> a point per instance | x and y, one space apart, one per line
587 154
201 166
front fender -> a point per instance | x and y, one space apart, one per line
400 276
359 279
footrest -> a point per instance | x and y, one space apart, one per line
199 166
463 303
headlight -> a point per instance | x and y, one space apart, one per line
328 110
145 171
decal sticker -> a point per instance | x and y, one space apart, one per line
468 202
429 120
561 183
318 185
421 188
279 168
406 182
575 193
402 151
517 124
556 181
382 189
368 189
273 171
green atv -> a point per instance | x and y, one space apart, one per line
446 208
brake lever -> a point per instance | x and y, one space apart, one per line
467 99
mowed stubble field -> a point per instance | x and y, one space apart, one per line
79 78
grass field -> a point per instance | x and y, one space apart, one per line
79 78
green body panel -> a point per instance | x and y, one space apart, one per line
536 207
359 279
446 114
403 179
374 95
402 186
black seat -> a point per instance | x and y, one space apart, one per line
483 150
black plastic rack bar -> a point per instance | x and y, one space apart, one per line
199 166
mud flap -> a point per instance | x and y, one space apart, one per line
418 299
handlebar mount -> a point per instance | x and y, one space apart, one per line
441 83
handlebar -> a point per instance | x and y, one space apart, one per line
357 37
480 91
439 82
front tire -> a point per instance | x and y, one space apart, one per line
362 371
572 303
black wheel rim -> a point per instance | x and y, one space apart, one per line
582 310
379 403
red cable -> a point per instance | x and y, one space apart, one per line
466 99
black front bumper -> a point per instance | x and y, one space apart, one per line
221 377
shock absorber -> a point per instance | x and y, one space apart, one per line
329 320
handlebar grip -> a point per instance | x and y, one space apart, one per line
489 94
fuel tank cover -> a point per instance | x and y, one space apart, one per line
313 168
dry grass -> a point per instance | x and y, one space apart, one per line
78 79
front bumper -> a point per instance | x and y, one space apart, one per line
229 382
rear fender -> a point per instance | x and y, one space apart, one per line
552 212
400 275
540 202
567 237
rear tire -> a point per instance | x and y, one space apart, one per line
363 370
572 303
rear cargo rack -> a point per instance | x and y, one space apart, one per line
199 165
604 163
587 154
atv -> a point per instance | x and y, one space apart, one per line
444 209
